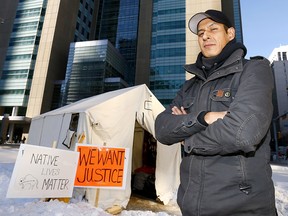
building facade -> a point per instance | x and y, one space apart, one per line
168 49
18 66
118 21
279 64
279 54
35 56
94 67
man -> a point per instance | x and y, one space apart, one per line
222 117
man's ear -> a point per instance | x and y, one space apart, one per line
231 33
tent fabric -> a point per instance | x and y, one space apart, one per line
109 119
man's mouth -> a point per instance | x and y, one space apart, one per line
208 45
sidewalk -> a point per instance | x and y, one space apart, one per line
9 145
280 162
8 153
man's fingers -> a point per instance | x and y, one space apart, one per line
183 110
177 111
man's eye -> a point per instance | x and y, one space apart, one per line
200 34
214 29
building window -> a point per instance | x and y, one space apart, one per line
284 56
279 56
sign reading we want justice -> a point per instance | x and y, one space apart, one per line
100 166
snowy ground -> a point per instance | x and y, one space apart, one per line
35 207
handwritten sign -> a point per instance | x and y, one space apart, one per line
101 166
42 172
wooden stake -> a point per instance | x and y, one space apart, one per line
98 190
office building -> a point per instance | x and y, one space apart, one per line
35 56
279 65
167 48
279 54
118 21
94 67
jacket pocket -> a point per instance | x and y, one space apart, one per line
188 103
222 98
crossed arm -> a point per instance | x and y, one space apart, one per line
209 117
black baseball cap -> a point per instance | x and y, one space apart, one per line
215 15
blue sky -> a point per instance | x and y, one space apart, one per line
265 25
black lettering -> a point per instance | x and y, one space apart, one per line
52 184
44 159
115 157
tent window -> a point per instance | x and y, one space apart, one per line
71 135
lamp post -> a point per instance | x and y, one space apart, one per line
275 132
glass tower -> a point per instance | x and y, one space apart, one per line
126 38
118 22
167 49
84 20
18 67
94 67
36 57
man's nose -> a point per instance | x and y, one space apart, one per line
206 35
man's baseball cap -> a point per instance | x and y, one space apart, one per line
215 15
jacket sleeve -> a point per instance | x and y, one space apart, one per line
248 119
170 129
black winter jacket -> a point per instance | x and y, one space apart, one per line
226 169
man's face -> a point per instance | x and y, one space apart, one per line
212 37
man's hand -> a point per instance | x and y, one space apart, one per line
177 111
211 117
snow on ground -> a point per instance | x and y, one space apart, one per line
36 207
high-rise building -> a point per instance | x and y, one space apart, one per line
35 57
279 54
279 65
118 22
167 49
94 67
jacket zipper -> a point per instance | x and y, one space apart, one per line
201 186
244 186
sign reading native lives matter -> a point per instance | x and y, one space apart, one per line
101 167
43 172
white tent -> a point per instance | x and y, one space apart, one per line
111 118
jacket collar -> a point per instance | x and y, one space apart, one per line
234 59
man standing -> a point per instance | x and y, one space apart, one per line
222 117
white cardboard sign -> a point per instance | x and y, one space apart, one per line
42 172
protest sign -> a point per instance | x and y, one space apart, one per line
42 172
101 167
